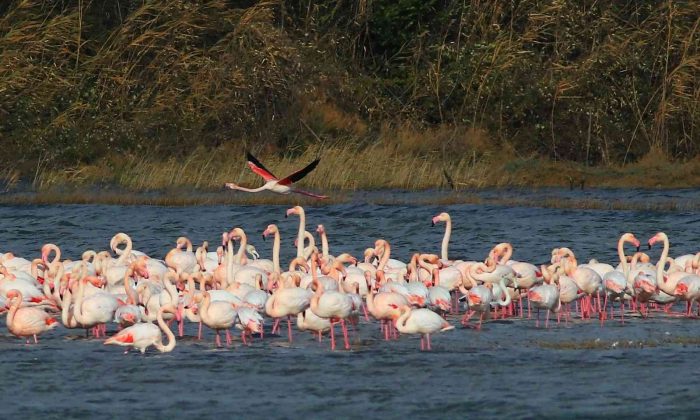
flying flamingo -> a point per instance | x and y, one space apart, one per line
27 321
143 335
274 184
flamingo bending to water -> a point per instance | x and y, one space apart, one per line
143 335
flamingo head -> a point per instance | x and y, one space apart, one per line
224 239
369 254
656 238
629 237
346 258
270 230
293 210
320 229
379 245
236 234
442 217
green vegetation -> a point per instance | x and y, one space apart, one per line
150 94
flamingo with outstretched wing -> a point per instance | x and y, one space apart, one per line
274 184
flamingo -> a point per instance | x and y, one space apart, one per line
308 321
274 184
27 321
182 261
331 304
545 296
420 321
615 282
444 217
287 301
216 315
143 335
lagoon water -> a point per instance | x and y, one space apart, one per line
510 368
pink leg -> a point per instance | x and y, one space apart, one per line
228 338
275 325
243 337
481 320
218 339
289 328
181 327
520 304
546 321
364 309
427 337
199 331
35 340
422 345
345 334
332 336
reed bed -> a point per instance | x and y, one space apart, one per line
343 167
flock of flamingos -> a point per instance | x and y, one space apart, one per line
231 287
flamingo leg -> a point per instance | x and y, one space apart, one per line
345 334
546 321
422 343
243 334
364 309
35 340
289 329
332 336
199 331
218 339
427 337
228 337
275 326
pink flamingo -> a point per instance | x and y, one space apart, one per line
274 184
334 305
27 321
143 335
420 321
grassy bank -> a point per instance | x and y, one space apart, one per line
149 94
198 178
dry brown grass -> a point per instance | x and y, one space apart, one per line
397 162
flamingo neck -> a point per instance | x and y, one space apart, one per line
662 260
386 252
168 333
300 234
250 190
14 308
446 239
324 244
276 253
623 258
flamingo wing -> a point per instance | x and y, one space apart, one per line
298 175
259 169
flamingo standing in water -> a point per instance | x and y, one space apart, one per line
274 184
420 321
27 321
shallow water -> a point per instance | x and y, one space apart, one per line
510 368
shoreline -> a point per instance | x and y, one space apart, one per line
686 199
